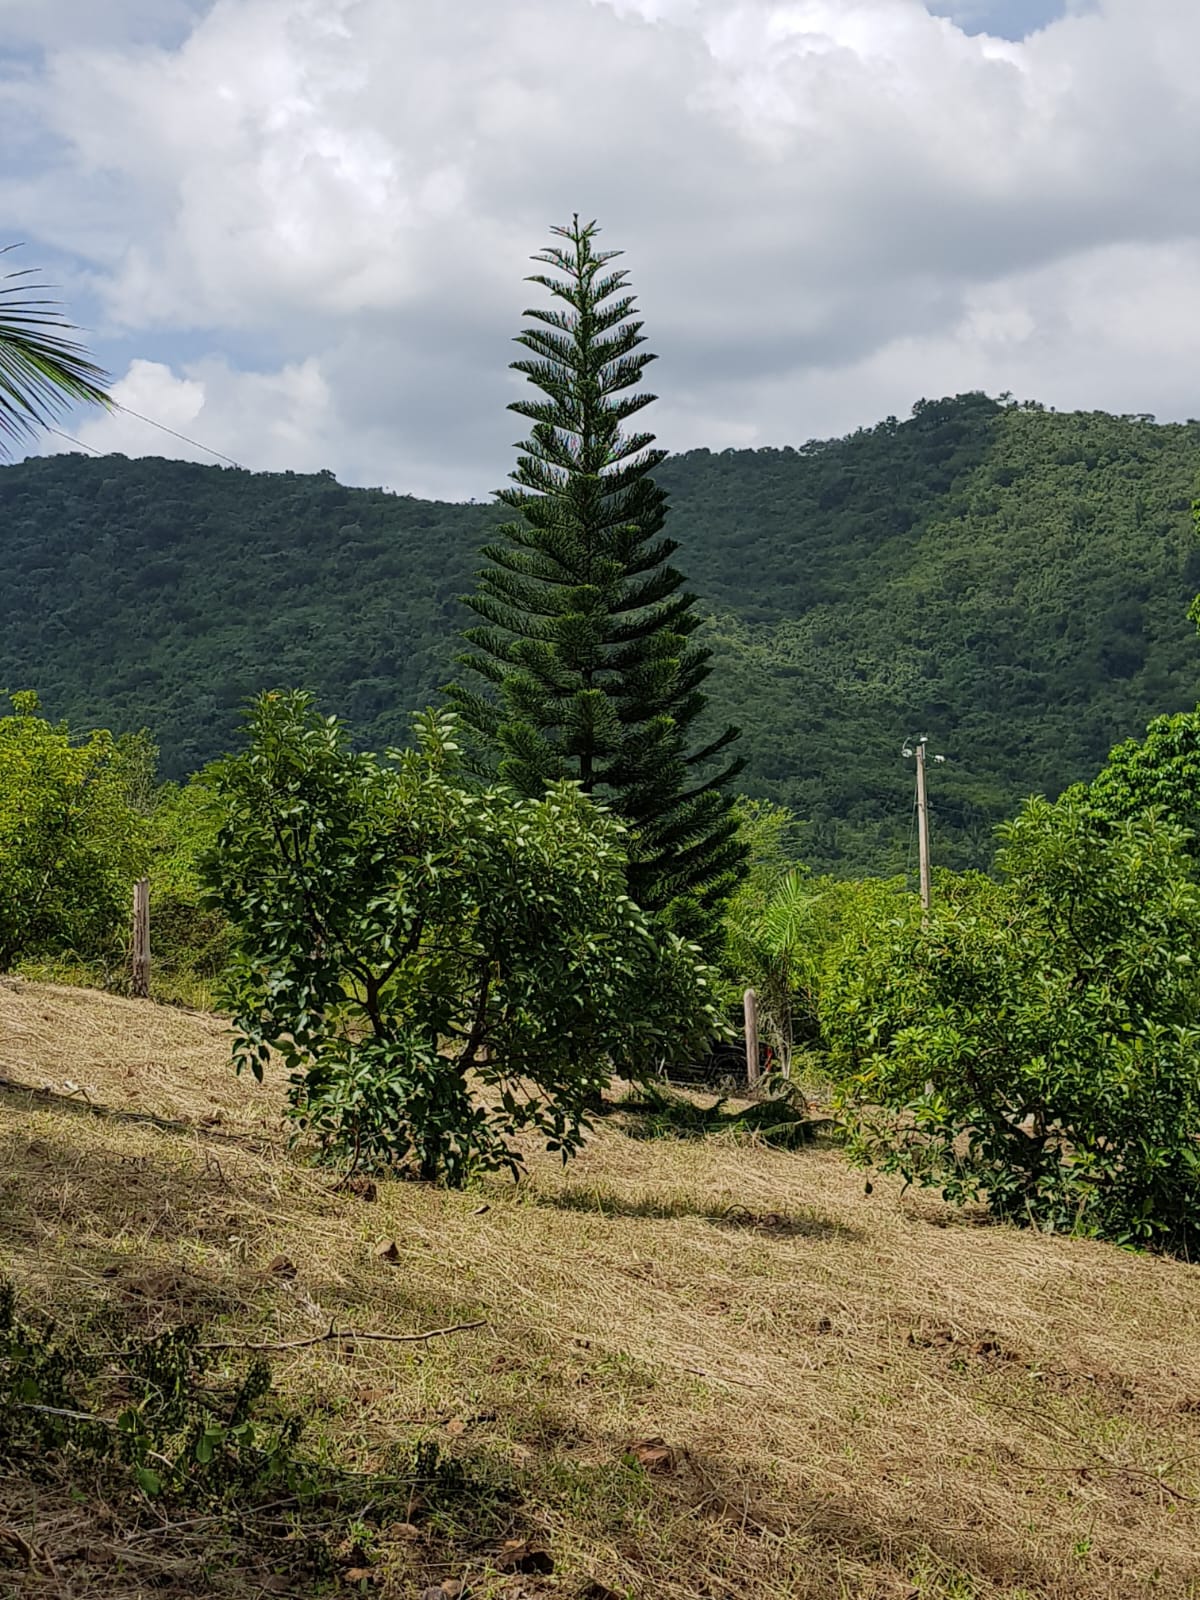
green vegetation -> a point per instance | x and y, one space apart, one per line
1037 1043
1159 773
163 1428
74 834
1013 581
440 967
766 932
191 942
439 960
174 1436
81 818
444 966
586 651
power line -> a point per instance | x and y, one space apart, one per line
72 440
162 427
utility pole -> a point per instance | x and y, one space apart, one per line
923 824
919 747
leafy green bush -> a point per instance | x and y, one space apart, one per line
190 940
1159 773
1038 1045
439 967
781 925
74 835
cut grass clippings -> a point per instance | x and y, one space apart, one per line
706 1368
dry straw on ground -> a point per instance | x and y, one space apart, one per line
829 1394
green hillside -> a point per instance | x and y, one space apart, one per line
1013 581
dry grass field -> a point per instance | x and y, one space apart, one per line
700 1369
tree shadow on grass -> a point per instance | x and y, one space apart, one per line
167 1233
773 1224
25 1096
726 1523
651 1112
131 1224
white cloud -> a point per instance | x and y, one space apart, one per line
830 207
210 410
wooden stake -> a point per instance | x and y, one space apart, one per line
140 987
750 1008
923 827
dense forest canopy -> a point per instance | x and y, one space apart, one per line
1013 581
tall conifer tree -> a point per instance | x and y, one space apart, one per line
586 645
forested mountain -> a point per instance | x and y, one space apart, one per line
1013 581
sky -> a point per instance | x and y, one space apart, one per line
296 230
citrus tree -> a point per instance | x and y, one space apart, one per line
73 835
1039 1043
439 966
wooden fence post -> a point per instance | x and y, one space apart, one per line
141 939
750 1006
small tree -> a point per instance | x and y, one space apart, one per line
191 940
1159 773
1038 1044
587 646
439 967
765 948
781 925
73 836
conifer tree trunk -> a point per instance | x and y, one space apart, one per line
586 646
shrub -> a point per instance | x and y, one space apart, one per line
780 926
190 940
73 836
1037 1045
439 966
1159 773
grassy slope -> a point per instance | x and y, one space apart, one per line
869 1396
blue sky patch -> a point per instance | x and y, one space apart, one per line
1006 19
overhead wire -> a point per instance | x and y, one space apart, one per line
161 426
71 439
175 434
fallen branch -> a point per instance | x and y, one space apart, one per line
718 1377
20 1544
1101 1468
350 1334
28 1553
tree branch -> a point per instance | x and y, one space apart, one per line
350 1334
474 1039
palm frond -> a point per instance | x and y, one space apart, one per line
783 918
44 370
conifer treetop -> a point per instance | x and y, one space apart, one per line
585 640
